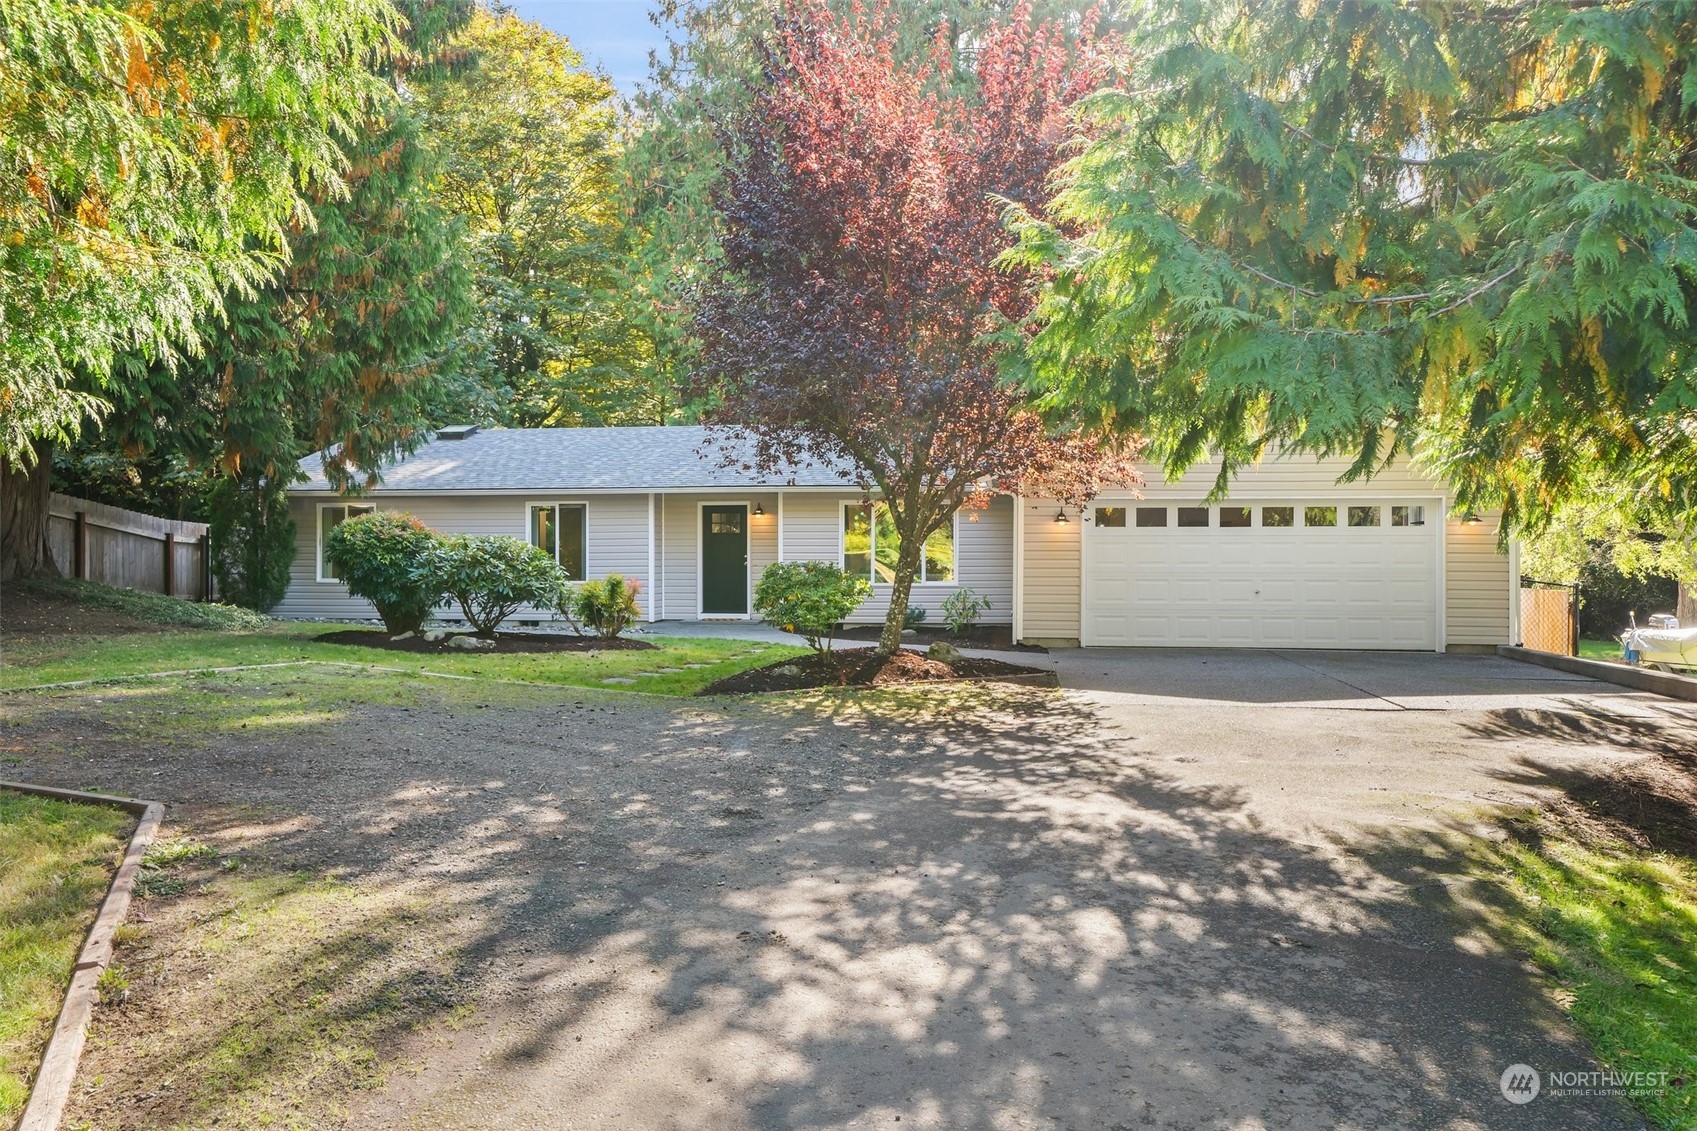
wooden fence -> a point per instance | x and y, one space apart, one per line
1549 617
96 542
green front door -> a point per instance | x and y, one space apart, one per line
724 560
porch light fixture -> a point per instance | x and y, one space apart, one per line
1061 518
1471 518
759 511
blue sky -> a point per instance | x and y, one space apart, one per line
615 35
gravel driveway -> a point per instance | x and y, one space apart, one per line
1158 902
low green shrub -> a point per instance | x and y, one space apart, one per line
962 608
492 576
608 606
913 617
809 599
391 560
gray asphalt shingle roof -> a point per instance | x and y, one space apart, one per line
582 459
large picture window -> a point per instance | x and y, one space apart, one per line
330 516
560 529
871 546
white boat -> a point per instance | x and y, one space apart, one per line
1672 649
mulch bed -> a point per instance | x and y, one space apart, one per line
995 637
505 642
861 667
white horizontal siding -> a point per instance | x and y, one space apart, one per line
811 526
616 530
1478 584
1050 568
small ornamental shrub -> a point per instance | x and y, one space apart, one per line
962 608
492 576
913 617
608 606
809 599
391 560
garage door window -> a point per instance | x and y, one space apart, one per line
1364 516
1193 516
1278 516
1408 516
1234 517
1110 516
1151 516
1319 516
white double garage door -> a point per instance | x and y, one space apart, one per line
1275 573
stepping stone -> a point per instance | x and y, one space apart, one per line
697 667
619 679
668 671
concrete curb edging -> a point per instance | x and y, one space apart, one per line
52 1087
1640 679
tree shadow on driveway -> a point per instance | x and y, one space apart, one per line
979 908
976 914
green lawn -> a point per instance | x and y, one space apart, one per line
1617 927
104 657
1594 649
56 860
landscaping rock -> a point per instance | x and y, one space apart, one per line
436 635
943 652
788 671
471 643
402 636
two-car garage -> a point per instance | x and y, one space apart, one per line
1324 571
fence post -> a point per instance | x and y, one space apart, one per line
170 563
1575 619
206 567
79 551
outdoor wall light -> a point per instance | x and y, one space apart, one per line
759 511
1061 518
1471 518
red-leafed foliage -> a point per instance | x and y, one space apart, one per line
858 312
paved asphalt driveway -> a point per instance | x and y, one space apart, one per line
1195 890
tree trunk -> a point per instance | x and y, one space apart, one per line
901 587
1686 610
23 517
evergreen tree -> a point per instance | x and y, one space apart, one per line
151 157
1370 227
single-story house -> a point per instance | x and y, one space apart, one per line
1293 559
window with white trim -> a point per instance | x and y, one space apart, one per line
562 529
871 546
330 516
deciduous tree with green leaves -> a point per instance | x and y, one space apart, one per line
1464 229
528 138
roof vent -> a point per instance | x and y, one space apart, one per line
456 431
